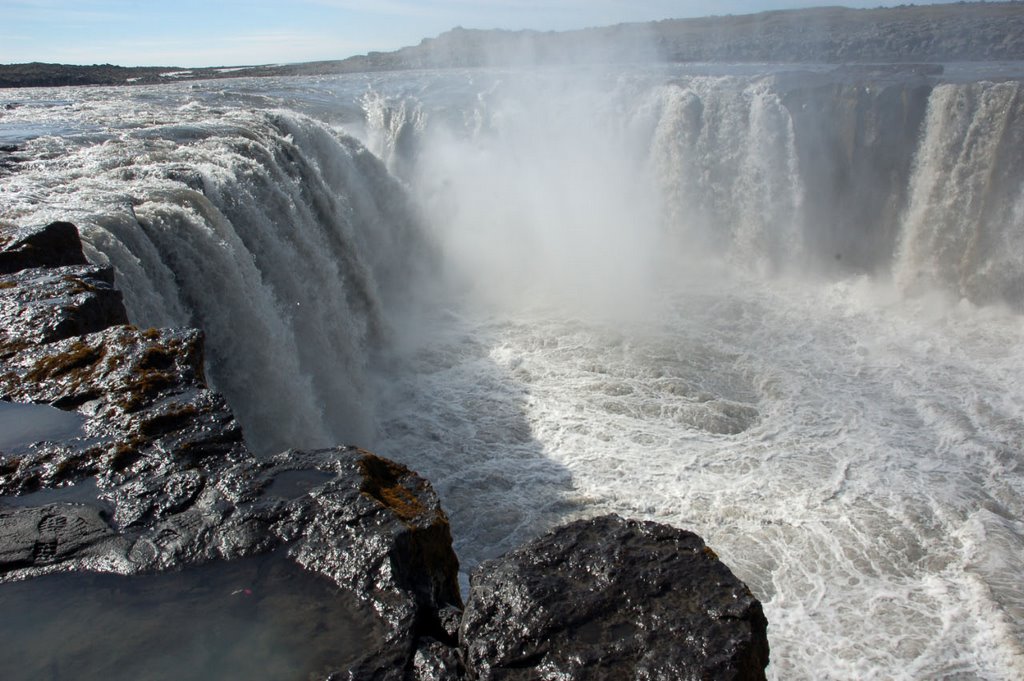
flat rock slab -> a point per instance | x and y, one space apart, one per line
610 598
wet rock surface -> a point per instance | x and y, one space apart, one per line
49 245
151 475
610 598
156 477
51 304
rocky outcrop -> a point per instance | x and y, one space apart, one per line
612 599
158 476
46 305
153 475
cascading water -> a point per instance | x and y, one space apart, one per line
964 228
726 161
665 294
276 236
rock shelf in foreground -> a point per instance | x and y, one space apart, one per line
159 478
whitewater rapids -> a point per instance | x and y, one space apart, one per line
559 301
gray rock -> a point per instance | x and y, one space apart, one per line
612 599
51 245
43 305
147 407
53 535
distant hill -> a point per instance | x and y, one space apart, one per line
929 33
37 74
977 31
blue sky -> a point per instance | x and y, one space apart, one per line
235 32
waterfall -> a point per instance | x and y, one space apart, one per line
660 293
600 175
725 158
286 242
393 129
964 228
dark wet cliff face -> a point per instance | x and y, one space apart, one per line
856 143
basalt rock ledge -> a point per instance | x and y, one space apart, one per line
153 475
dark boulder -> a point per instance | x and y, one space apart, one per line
612 599
51 245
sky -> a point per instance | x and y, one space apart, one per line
244 32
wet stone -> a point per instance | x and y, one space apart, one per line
298 483
610 598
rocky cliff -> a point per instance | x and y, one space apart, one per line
144 470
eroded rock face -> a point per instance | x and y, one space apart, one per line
158 477
147 407
51 245
51 304
612 599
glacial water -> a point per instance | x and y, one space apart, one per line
781 310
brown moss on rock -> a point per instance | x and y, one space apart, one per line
9 466
75 360
125 455
79 285
168 421
382 480
73 468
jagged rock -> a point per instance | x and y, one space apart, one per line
435 661
380 530
122 368
51 245
612 599
145 400
43 305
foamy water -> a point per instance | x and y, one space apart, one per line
605 298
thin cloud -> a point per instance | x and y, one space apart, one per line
229 50
389 7
56 10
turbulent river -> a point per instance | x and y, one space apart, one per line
784 310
